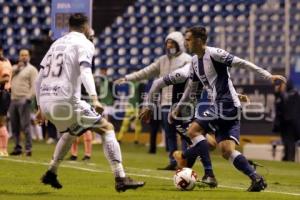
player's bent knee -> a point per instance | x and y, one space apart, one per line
227 148
103 126
226 152
109 136
211 142
194 130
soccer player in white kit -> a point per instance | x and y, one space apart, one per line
66 65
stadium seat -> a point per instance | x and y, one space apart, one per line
134 61
122 62
97 62
145 24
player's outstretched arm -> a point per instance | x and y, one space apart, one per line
280 78
223 56
238 62
148 72
176 77
120 81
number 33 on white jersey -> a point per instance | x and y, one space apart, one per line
61 67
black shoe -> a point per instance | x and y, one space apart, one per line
51 179
136 142
73 158
86 158
16 153
258 184
123 184
28 153
152 152
170 167
211 181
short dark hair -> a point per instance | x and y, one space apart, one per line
198 32
77 20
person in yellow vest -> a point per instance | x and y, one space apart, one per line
131 113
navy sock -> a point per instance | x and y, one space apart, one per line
200 149
242 164
190 155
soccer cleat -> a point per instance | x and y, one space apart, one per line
211 181
28 153
181 162
50 178
16 153
123 184
73 158
4 154
86 158
258 184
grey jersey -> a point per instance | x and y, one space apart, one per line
177 77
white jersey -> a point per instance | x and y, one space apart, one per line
61 68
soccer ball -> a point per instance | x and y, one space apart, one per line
185 179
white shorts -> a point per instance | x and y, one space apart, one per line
74 118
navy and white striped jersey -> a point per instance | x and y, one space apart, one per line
212 71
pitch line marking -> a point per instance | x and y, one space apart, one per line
133 174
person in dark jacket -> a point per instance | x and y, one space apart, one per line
287 119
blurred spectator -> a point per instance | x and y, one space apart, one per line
131 112
174 58
87 141
35 128
40 47
5 84
87 136
50 132
22 91
155 125
287 119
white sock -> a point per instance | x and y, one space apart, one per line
62 148
234 154
112 153
197 139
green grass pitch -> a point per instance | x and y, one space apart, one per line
20 178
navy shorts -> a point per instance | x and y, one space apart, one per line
222 119
4 102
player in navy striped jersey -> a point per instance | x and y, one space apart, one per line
178 79
210 67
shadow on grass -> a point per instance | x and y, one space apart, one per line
6 192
